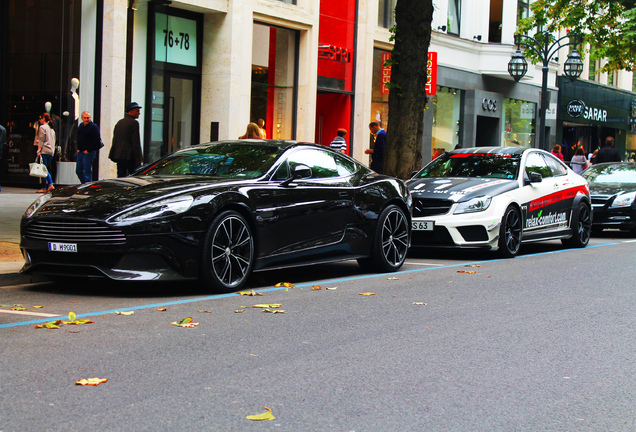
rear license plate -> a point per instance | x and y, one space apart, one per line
63 247
423 225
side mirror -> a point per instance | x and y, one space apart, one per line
535 177
298 171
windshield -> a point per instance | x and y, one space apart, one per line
611 174
232 160
473 165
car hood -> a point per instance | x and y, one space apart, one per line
459 189
105 198
610 188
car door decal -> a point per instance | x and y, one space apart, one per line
551 210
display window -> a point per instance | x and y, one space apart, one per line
519 124
446 105
273 96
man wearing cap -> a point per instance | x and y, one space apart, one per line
126 148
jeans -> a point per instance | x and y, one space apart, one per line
46 160
125 167
84 166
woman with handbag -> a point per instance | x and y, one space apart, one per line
46 149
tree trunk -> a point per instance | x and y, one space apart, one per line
407 95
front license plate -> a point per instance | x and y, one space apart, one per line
423 225
63 247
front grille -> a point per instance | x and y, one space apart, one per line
423 207
473 233
600 200
74 232
438 237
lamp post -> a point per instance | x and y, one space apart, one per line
545 47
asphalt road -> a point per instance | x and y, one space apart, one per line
542 342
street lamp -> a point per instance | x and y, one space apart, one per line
545 47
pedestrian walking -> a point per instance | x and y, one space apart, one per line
46 149
608 152
339 143
126 148
88 144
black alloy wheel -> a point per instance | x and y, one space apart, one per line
581 227
228 252
391 242
510 233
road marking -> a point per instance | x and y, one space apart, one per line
40 314
423 264
308 284
629 241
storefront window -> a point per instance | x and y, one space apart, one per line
523 10
446 119
518 124
273 80
380 92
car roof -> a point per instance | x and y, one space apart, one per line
280 143
512 150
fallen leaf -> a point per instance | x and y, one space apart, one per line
473 265
250 293
285 284
239 311
50 325
91 381
78 322
316 287
466 271
274 310
123 313
332 288
72 316
162 309
392 278
38 307
420 303
17 308
204 311
268 306
262 417
367 293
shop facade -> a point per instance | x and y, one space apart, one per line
589 113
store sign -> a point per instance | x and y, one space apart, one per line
431 73
334 53
175 40
489 105
577 108
527 110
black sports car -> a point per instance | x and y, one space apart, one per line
496 198
613 191
219 211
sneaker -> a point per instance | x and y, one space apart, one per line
50 188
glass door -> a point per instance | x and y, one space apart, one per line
174 116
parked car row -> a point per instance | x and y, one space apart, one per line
220 211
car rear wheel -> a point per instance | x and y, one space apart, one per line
391 242
581 227
510 233
228 255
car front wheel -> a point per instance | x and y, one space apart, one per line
228 255
510 233
581 227
391 242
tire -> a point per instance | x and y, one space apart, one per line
510 233
390 243
581 227
228 252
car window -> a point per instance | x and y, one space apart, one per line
558 169
536 163
624 174
489 165
345 166
322 164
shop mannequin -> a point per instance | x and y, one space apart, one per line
71 116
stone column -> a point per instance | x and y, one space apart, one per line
113 78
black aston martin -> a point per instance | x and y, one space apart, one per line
218 212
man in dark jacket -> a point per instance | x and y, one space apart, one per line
88 144
126 148
608 153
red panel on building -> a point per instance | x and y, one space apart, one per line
431 69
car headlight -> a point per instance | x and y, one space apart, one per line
167 207
37 204
474 205
624 200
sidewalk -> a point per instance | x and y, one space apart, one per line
13 203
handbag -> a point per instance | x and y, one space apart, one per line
37 168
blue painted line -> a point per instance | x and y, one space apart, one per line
334 281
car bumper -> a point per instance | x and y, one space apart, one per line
619 218
474 230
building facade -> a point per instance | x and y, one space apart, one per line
204 69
